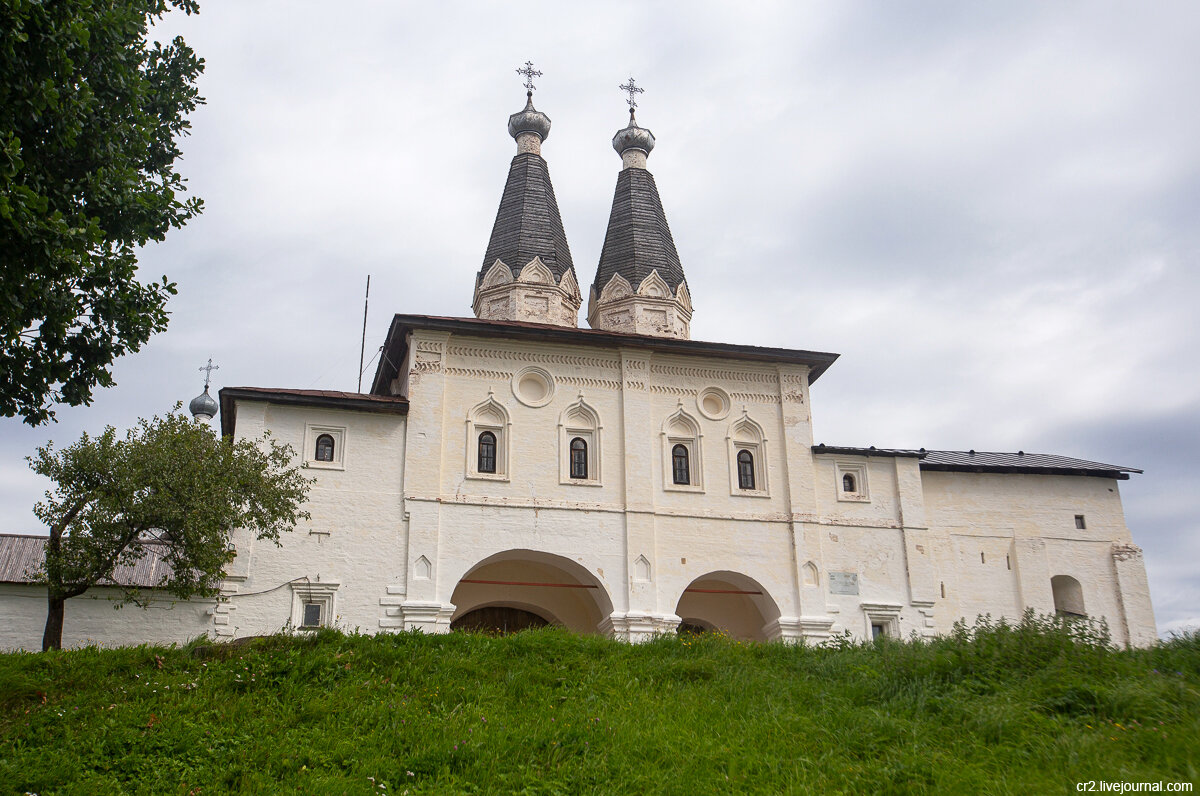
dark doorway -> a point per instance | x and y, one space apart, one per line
498 619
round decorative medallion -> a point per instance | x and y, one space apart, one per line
533 386
713 403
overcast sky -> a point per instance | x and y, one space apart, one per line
991 211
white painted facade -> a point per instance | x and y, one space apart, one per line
402 517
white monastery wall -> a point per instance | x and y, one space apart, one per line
628 516
876 504
1000 539
407 533
93 618
911 551
354 541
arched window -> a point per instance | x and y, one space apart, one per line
324 448
487 452
745 467
848 484
679 465
579 458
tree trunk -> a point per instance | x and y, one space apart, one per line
52 638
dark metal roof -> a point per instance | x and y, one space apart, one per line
871 451
20 556
327 399
396 345
528 224
1020 462
638 240
993 462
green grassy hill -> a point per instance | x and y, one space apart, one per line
1033 708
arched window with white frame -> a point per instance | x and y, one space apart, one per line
747 458
579 445
488 432
682 468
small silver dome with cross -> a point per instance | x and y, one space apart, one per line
633 137
529 120
204 406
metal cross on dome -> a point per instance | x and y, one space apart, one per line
632 89
530 73
208 369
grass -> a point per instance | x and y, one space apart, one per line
1028 708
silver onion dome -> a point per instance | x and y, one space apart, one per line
529 120
203 406
633 137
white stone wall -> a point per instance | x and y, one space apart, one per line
93 618
355 539
402 517
1024 526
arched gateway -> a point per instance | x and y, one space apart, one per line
518 589
730 602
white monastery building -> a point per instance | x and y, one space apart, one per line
512 469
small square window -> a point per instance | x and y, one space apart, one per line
313 604
1080 524
324 447
312 615
852 482
883 620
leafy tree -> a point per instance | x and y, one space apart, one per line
89 118
171 483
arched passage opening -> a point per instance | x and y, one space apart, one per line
519 589
1068 596
730 602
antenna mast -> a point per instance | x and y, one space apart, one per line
362 351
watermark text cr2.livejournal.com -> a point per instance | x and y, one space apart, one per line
1101 786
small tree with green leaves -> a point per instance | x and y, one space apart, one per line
172 483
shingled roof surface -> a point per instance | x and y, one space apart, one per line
528 224
991 461
638 240
21 556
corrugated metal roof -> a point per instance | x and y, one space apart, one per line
872 451
1018 459
20 556
992 462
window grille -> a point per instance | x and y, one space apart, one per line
579 458
679 465
745 467
487 452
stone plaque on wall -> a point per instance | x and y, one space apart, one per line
843 583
